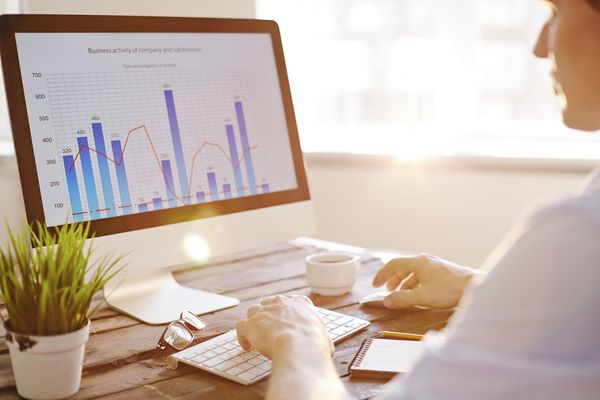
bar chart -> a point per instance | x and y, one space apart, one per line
116 199
154 122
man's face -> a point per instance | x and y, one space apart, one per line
571 40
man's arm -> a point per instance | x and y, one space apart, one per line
423 280
524 330
302 370
289 331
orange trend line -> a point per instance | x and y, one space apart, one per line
234 164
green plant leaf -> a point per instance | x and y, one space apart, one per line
47 279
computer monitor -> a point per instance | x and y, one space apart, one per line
164 133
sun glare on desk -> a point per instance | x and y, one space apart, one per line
196 247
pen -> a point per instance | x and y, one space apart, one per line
400 335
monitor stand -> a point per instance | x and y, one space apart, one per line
154 297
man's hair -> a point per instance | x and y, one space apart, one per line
594 3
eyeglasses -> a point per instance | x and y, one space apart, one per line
179 334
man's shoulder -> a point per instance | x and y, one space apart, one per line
583 210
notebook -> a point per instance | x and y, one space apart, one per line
384 358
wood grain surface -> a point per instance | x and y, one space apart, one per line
121 361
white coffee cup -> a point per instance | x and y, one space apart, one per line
332 273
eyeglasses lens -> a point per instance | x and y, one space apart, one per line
192 320
178 336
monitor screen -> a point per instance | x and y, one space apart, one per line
175 138
131 123
140 122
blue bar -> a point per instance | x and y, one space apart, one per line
121 176
109 198
143 207
227 190
200 198
239 112
235 160
88 177
179 160
212 185
265 188
73 189
157 203
166 166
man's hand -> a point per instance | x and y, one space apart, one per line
277 321
423 280
288 330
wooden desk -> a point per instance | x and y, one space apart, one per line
121 361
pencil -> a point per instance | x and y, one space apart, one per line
400 335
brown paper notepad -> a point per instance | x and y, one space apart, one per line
384 358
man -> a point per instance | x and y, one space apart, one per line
527 329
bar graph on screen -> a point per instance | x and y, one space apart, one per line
183 141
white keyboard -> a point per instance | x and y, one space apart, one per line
222 355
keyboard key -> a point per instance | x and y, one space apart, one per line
225 365
212 362
354 324
255 361
238 360
245 365
198 360
344 319
263 367
339 331
248 375
235 371
235 352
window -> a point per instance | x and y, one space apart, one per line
420 77
6 6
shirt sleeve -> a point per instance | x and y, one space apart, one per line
530 329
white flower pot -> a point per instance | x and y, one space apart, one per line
47 367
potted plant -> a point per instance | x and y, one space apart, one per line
47 281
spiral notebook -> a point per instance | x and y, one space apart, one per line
384 358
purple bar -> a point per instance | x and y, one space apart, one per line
73 188
177 146
265 188
235 160
200 198
227 190
169 185
88 177
143 207
212 185
241 119
157 203
102 155
121 177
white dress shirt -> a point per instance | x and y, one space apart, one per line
530 329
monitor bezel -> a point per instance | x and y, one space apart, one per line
11 24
